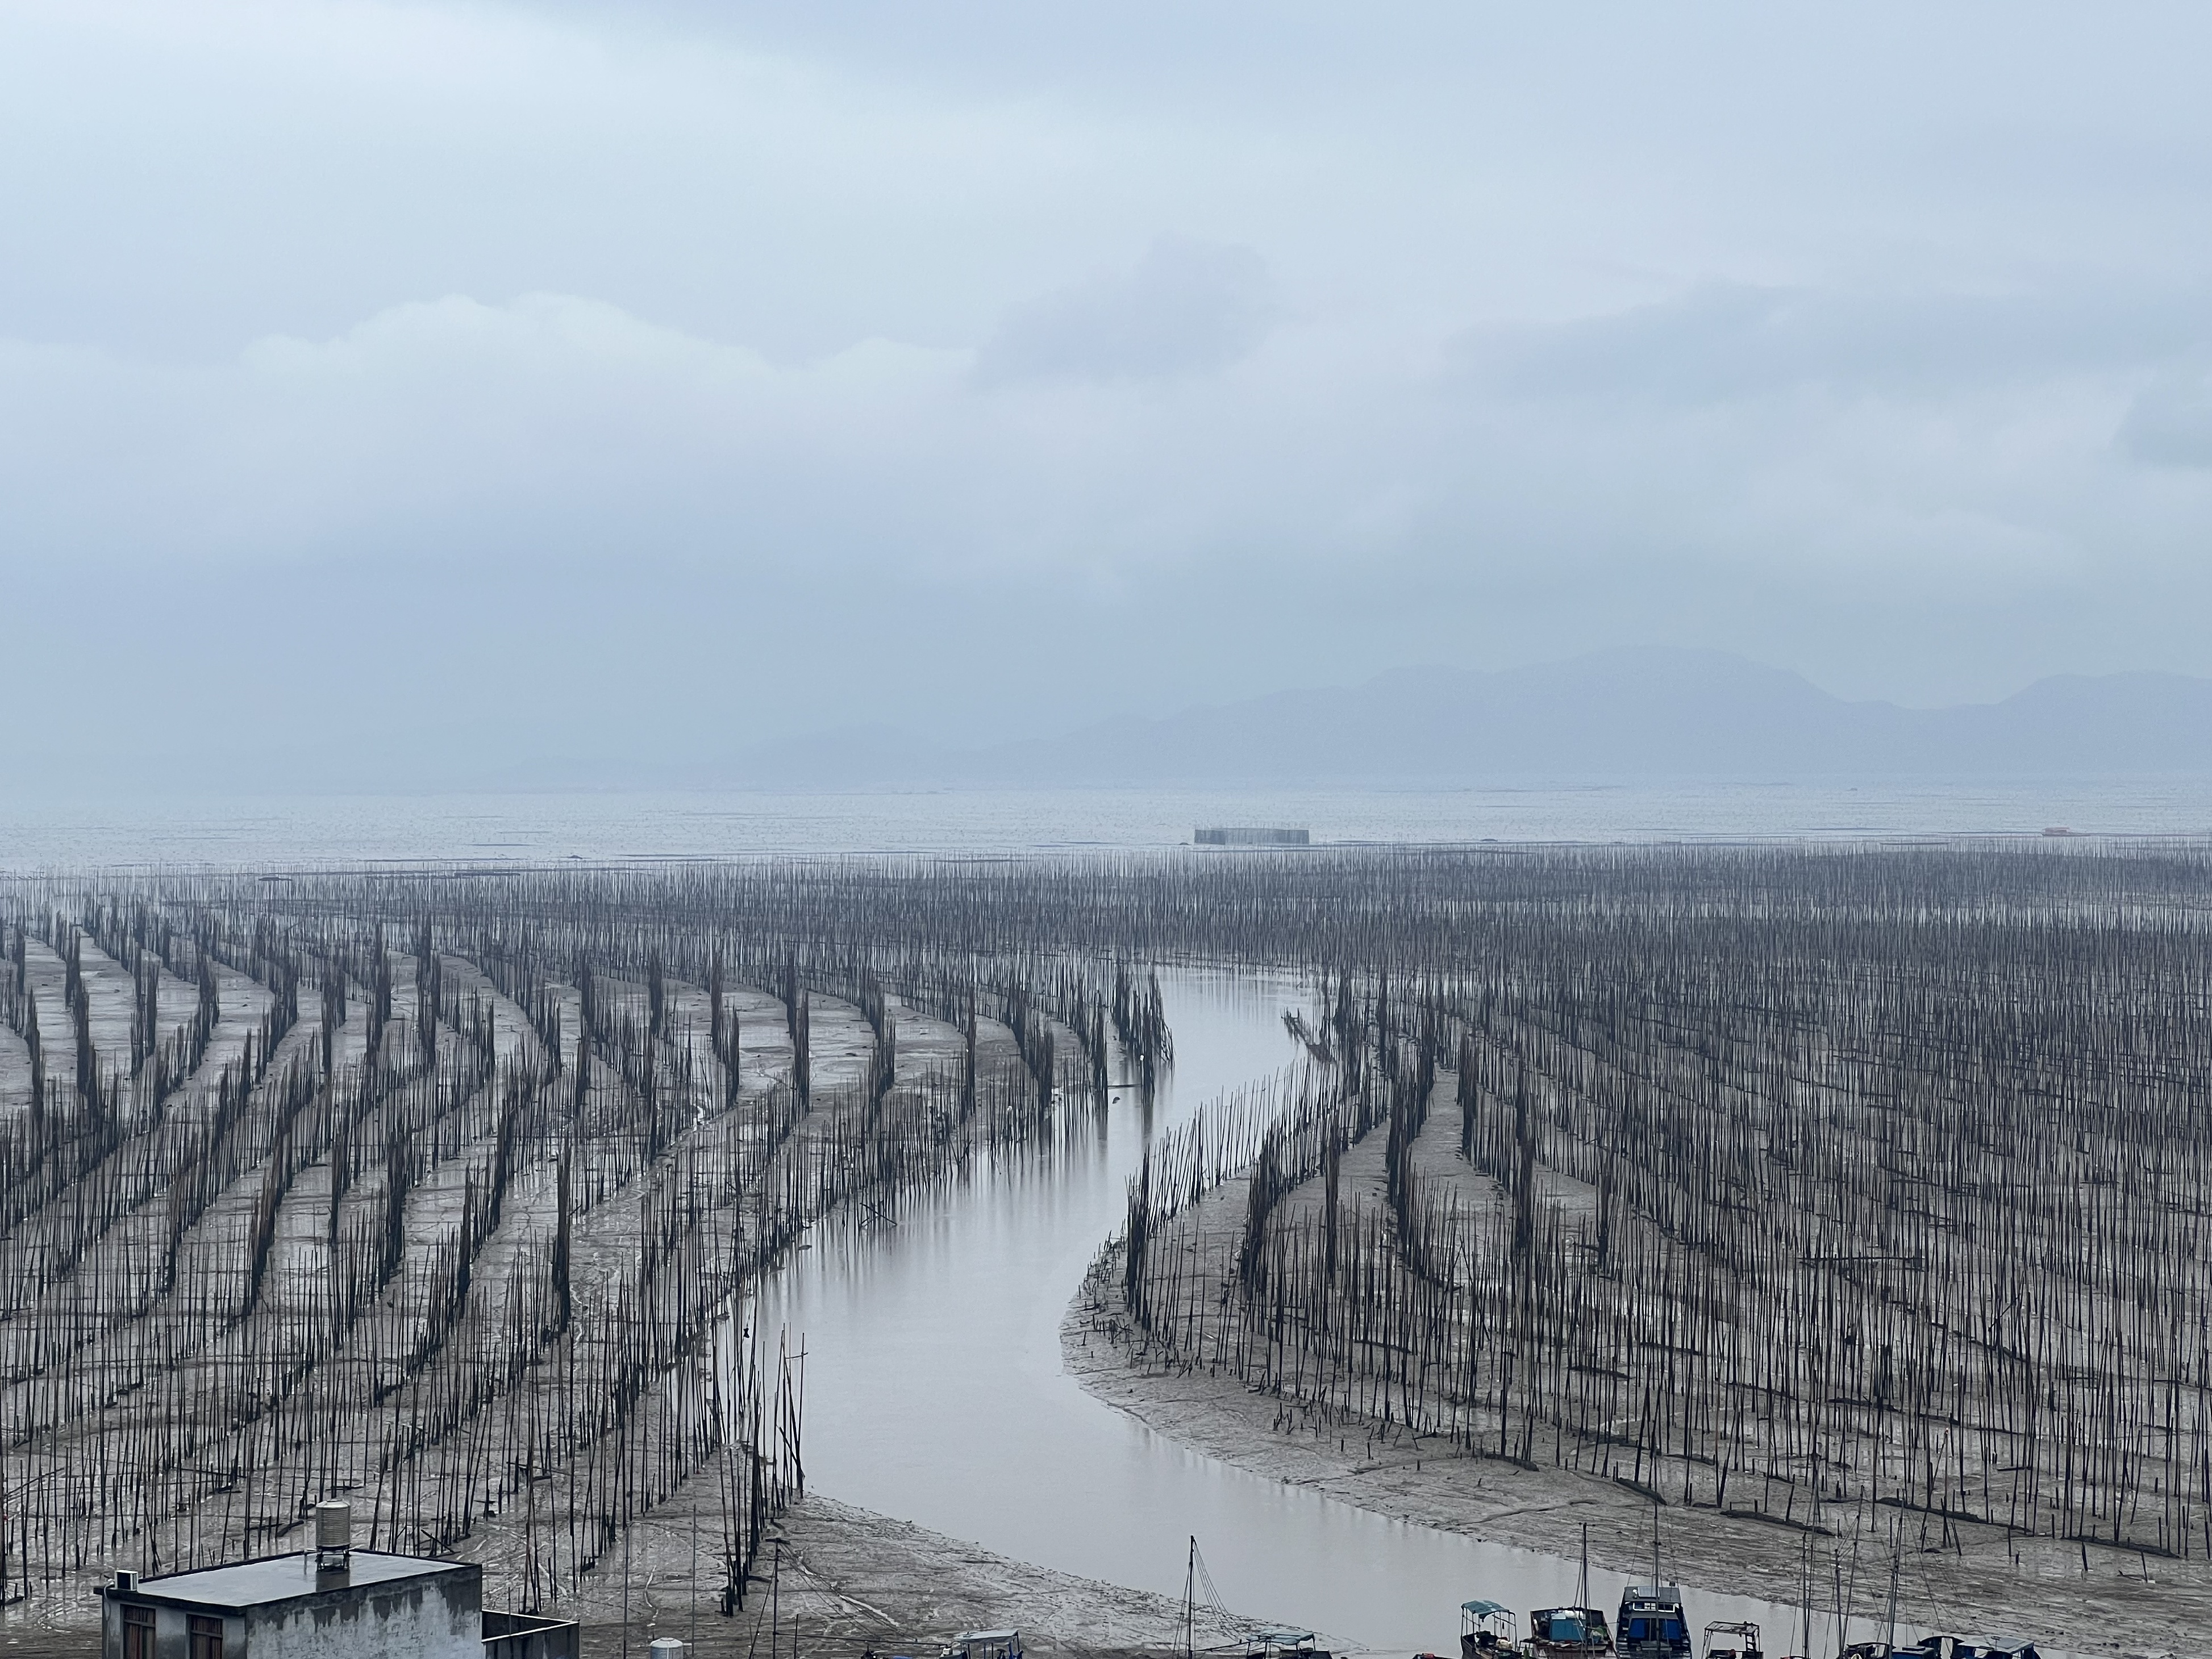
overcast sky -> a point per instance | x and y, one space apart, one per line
381 381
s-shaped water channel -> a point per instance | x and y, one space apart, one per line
935 1392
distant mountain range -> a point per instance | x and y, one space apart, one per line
1634 714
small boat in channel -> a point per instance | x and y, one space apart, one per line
985 1644
1569 1633
1652 1625
1732 1638
1487 1629
1572 1632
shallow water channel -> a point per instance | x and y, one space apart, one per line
935 1393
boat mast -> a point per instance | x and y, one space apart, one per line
1896 1560
1805 1601
1190 1601
1655 1545
1582 1586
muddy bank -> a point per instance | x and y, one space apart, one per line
846 1582
2070 1595
836 1580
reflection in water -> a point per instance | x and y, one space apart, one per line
934 1391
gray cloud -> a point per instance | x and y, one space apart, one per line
2170 421
738 362
1717 341
1187 309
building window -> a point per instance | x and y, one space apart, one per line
137 1632
207 1638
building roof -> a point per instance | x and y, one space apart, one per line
243 1584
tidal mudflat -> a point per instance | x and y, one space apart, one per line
1841 1204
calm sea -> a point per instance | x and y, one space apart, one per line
310 830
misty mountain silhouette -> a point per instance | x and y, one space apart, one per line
1649 712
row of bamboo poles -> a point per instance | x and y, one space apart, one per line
1798 1180
457 1205
1794 1216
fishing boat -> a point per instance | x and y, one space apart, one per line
1572 1632
1652 1625
1248 1642
985 1644
1487 1628
1732 1638
1568 1634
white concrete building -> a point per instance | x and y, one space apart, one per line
330 1603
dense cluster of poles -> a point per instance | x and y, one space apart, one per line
454 1200
1792 1181
1864 1181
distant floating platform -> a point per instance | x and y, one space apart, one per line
1251 837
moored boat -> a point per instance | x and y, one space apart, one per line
1282 1644
1487 1628
985 1644
1572 1632
1652 1625
1569 1633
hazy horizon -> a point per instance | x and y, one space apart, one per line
1634 717
425 386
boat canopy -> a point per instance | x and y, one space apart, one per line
986 1645
1484 1609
